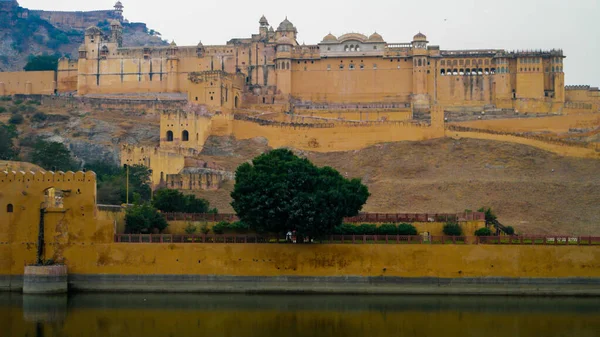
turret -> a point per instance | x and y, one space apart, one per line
283 65
264 27
119 10
420 97
116 33
173 68
287 29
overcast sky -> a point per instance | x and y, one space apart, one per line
573 26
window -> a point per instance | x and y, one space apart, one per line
351 66
185 136
362 66
9 208
341 66
374 47
357 48
329 67
169 136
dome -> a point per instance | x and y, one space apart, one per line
353 36
286 26
200 44
93 30
330 38
118 4
285 40
271 29
375 38
420 37
263 21
173 44
115 23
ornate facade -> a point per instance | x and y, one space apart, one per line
271 67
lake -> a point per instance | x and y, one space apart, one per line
180 315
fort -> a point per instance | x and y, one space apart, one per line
80 236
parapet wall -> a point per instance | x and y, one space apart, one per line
27 83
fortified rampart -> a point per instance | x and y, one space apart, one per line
76 236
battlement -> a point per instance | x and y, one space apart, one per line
579 87
70 177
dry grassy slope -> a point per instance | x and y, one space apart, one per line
446 175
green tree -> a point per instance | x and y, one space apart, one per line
483 232
112 183
452 229
490 217
280 191
139 183
509 230
8 133
143 218
42 62
407 229
168 200
50 155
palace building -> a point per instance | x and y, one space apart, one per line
272 67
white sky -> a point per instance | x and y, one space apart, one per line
573 26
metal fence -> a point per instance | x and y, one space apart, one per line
362 239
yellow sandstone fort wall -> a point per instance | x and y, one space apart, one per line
78 235
27 83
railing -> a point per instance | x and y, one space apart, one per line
563 240
362 217
361 239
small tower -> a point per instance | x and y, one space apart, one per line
119 10
283 64
420 97
116 33
286 28
173 68
264 27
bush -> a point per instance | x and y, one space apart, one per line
345 229
221 227
406 229
387 229
144 219
509 230
2 109
16 119
366 229
483 232
34 102
5 98
190 229
204 229
452 229
18 101
239 227
168 200
39 117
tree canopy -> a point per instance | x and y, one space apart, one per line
167 200
112 183
8 133
280 191
143 218
52 155
41 63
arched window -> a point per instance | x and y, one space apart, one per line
185 136
346 48
235 104
357 48
169 136
419 62
9 208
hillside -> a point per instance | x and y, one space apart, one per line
24 32
533 190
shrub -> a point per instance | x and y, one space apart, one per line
204 229
190 229
34 102
18 101
5 98
39 117
2 109
452 229
144 219
366 229
239 227
483 232
221 227
509 230
407 229
387 229
16 119
345 229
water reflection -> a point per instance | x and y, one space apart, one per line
269 316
